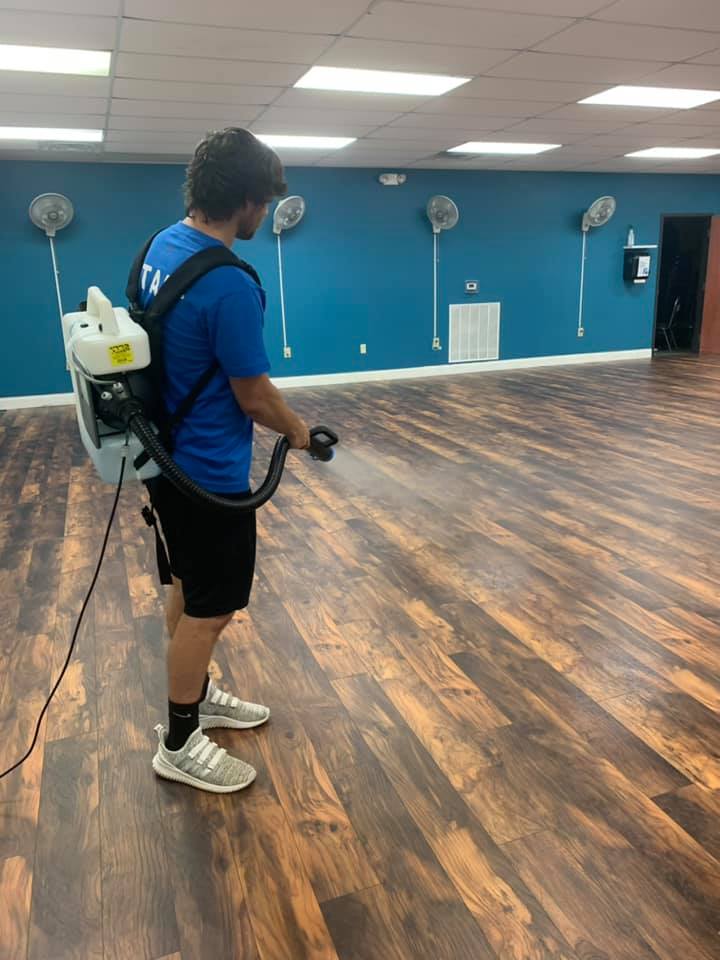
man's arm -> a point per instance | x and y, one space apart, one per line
264 404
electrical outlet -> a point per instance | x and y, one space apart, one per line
471 286
363 348
581 331
287 353
436 344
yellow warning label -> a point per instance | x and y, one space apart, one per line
121 354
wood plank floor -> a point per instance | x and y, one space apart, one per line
489 635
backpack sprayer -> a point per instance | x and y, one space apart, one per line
118 412
114 356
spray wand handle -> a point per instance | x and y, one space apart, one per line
322 441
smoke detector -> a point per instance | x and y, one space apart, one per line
392 179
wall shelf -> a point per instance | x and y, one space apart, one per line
642 246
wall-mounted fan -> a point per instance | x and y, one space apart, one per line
443 214
52 212
288 214
597 215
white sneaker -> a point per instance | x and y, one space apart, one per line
221 709
201 763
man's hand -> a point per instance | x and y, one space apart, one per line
300 438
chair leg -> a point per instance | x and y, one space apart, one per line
667 341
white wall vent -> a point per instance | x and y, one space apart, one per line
474 332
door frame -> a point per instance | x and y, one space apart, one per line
663 218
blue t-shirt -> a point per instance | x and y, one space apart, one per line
220 317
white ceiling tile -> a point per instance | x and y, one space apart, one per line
369 163
492 88
662 131
711 140
141 135
280 117
621 165
103 8
194 125
591 38
432 121
169 108
549 66
83 121
619 115
147 146
690 14
53 84
450 163
145 66
301 158
21 103
625 141
692 118
475 106
291 122
56 30
336 100
713 57
390 20
691 75
541 163
690 167
384 152
197 92
561 8
310 16
432 139
381 147
547 124
420 58
224 43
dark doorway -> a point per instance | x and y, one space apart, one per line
681 283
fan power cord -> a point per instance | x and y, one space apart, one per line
88 595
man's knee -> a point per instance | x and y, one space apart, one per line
212 625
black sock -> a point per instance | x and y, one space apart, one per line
205 686
184 720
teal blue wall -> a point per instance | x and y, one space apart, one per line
359 267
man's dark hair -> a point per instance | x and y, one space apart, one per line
231 167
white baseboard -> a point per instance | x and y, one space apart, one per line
41 400
453 369
365 376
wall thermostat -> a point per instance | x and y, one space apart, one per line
471 286
392 179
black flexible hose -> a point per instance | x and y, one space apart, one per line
143 430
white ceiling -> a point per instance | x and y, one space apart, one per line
181 67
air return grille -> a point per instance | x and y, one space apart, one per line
474 332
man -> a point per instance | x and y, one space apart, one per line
230 182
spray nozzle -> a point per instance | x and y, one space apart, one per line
322 441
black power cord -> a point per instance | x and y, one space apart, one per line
77 625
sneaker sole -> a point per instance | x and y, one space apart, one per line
209 721
169 772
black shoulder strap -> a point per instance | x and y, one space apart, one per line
186 404
132 291
183 278
167 296
189 273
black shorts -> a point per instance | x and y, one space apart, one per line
211 551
